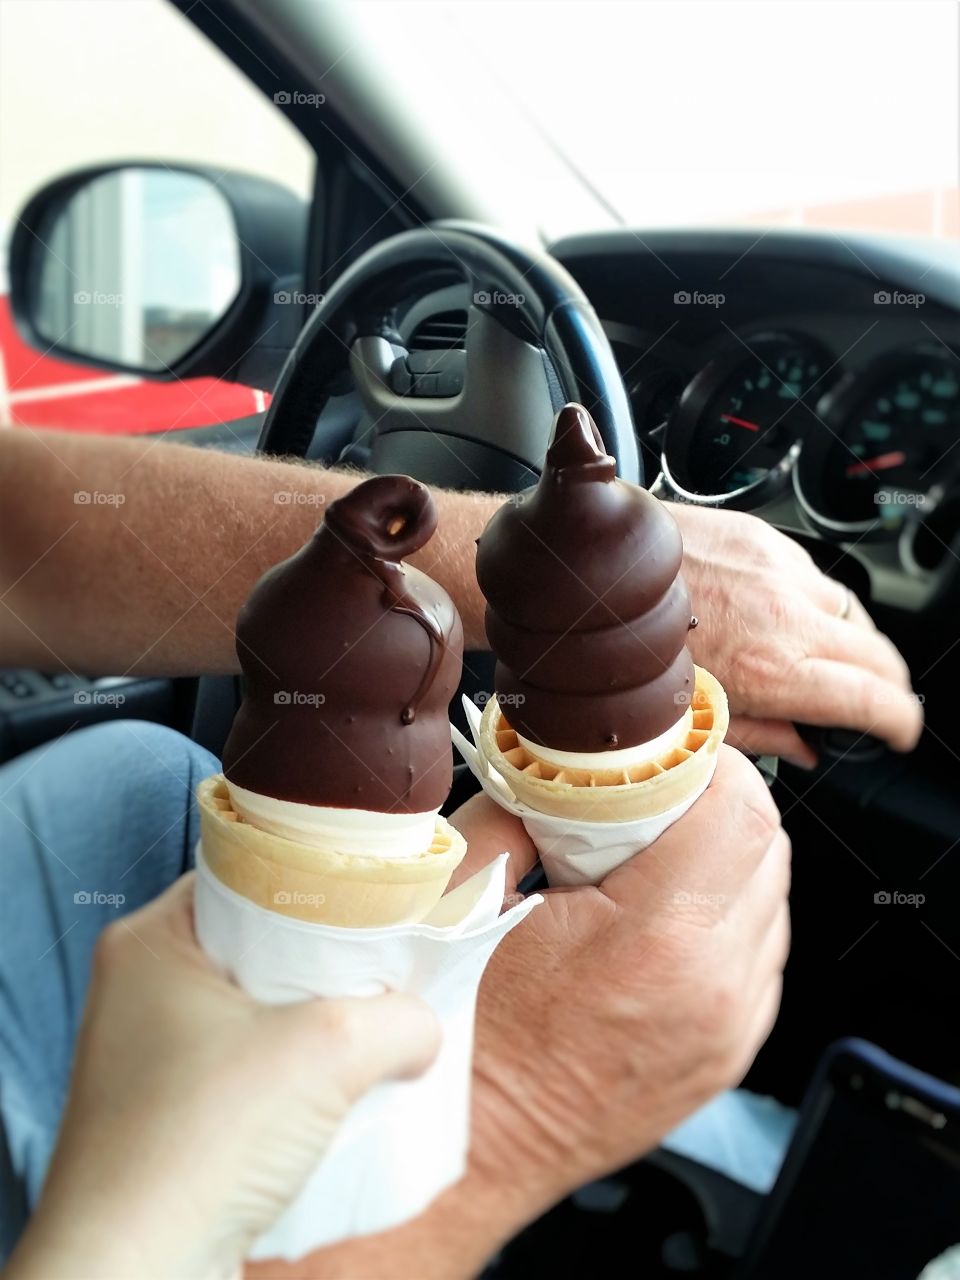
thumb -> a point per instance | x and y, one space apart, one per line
357 1043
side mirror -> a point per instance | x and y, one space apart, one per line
163 272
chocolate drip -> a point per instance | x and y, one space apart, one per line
586 611
400 603
351 658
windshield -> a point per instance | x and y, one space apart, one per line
835 115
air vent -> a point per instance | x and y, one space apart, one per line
446 331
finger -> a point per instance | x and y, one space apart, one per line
836 638
359 1043
823 691
725 834
838 601
826 593
858 615
770 738
490 831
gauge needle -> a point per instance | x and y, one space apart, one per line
883 463
739 422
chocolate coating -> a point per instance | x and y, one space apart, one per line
351 659
586 611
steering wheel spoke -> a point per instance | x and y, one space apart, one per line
481 420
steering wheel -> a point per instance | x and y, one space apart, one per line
533 342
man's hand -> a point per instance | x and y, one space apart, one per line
195 1114
616 1011
771 633
604 1019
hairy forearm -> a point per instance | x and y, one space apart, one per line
129 556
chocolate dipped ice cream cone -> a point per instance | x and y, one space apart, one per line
339 758
599 714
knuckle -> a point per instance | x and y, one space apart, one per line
728 1047
717 1015
757 816
780 605
771 545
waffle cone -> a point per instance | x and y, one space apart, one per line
319 885
623 795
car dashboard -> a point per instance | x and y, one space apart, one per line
813 380
809 378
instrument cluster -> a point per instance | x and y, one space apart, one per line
861 450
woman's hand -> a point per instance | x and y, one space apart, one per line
772 633
196 1115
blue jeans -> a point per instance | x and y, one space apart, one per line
97 824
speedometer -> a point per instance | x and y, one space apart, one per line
738 426
890 433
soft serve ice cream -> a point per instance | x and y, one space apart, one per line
588 616
586 610
339 757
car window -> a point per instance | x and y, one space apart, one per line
121 81
834 116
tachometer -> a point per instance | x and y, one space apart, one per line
890 433
739 423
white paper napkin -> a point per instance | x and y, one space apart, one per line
571 853
404 1142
